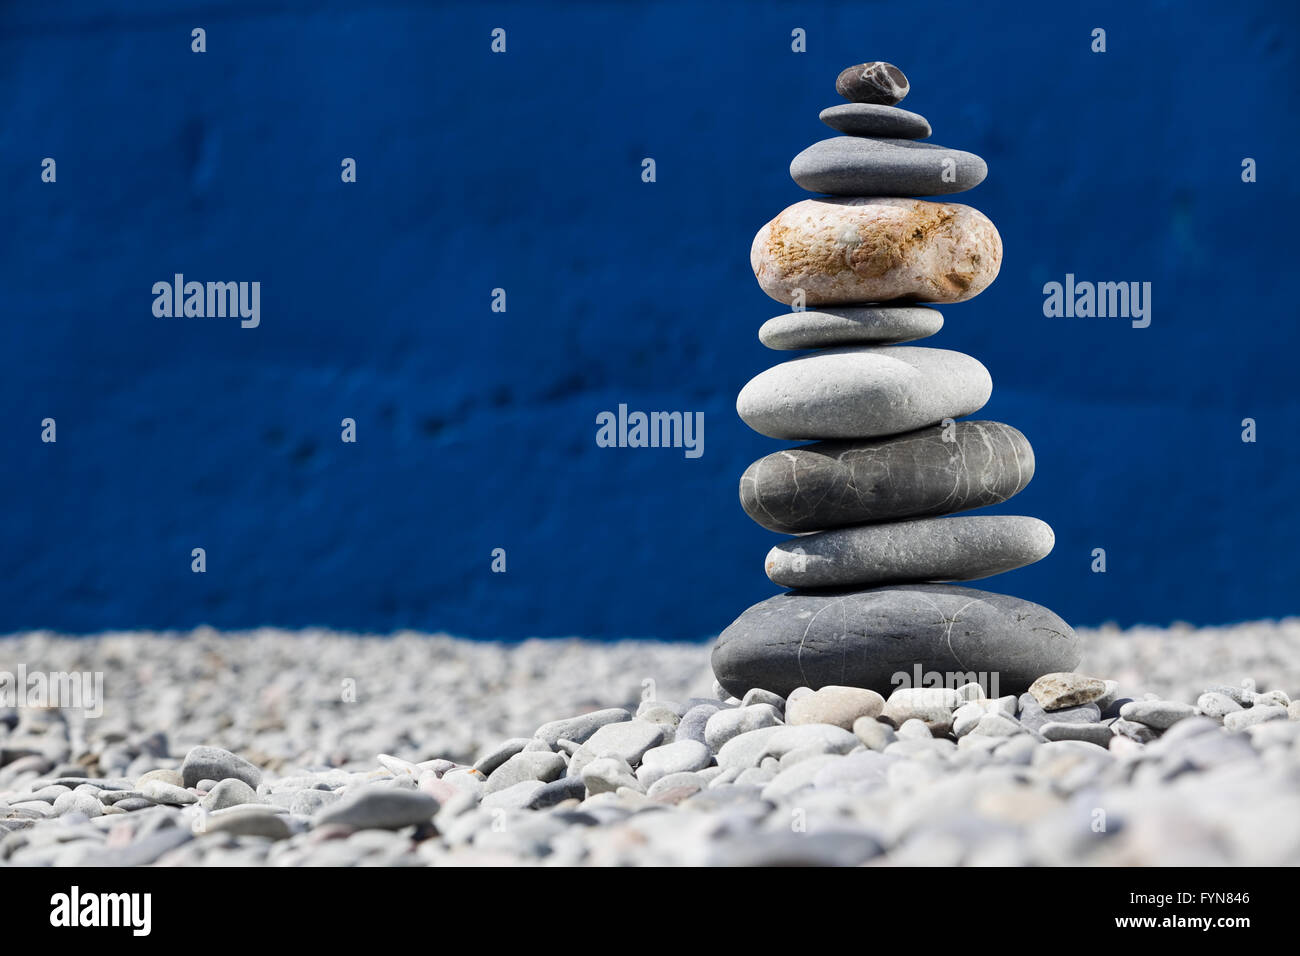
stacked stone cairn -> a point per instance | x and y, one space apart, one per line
873 553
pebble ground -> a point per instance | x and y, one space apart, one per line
360 750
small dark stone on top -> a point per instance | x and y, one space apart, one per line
875 82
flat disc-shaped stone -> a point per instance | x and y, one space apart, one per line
858 166
871 119
861 325
933 471
869 638
901 552
853 251
863 392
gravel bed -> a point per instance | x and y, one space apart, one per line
1167 746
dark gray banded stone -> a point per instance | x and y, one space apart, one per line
867 638
920 474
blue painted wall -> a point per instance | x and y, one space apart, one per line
522 171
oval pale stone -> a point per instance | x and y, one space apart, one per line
869 324
862 166
900 552
863 392
848 251
868 638
932 471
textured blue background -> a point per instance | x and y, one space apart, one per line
476 429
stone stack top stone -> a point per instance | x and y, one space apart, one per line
876 82
879 154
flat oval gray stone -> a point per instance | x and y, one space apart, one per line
75 801
380 808
863 392
745 750
134 803
213 763
928 472
734 722
694 722
494 757
310 802
1157 714
255 820
229 793
1033 716
514 797
874 82
165 793
900 552
861 325
579 728
874 119
1216 705
557 791
858 166
628 740
865 638
1251 717
536 765
1099 734
678 757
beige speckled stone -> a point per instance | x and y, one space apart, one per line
852 250
841 706
1055 691
172 777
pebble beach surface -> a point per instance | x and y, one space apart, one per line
1172 746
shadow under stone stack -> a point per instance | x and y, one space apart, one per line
888 457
